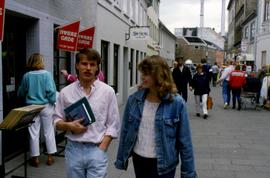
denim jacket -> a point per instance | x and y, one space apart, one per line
172 137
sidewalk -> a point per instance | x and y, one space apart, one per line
229 144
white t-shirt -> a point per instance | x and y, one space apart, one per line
145 144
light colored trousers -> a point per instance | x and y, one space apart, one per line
200 103
45 119
85 160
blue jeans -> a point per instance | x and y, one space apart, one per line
226 92
85 160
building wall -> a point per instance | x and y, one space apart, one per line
212 36
263 38
167 44
153 23
194 52
118 24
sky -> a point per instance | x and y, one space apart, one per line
186 13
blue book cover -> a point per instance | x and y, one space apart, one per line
81 109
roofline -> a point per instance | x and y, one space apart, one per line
166 29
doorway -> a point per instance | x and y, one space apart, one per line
13 68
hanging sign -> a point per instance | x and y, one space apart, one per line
139 33
68 36
86 38
2 19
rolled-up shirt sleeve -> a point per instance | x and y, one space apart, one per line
113 118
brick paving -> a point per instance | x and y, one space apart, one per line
229 144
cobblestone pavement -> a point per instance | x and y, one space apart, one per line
229 144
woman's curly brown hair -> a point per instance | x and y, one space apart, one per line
158 68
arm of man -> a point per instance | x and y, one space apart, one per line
112 123
75 126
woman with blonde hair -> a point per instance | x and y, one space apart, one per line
155 127
38 87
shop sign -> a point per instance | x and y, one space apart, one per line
2 18
86 38
68 36
141 33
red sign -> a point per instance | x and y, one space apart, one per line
86 38
2 18
68 36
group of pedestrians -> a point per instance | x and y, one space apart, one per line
155 127
199 83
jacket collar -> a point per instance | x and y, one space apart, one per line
140 95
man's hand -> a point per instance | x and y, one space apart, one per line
76 127
190 88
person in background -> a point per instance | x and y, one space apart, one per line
86 150
182 76
38 87
215 71
155 126
237 81
72 78
207 68
225 78
200 85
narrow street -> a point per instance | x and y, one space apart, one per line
229 144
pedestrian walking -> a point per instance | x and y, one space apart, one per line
225 78
237 81
215 71
38 87
182 76
200 85
86 150
155 126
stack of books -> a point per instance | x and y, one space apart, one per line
81 109
20 117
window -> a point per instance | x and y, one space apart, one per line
267 10
61 61
131 67
125 6
105 56
115 67
263 63
246 33
252 30
137 62
131 9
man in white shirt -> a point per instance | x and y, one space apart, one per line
86 149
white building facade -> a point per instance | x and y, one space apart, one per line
153 23
263 34
167 42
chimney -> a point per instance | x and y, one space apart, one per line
202 14
223 18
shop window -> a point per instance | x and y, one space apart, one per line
62 60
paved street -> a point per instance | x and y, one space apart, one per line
230 144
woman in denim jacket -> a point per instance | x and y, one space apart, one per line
155 127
